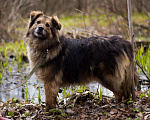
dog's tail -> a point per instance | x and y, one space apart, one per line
129 84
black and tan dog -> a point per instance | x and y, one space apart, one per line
106 60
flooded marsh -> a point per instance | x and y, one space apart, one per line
14 68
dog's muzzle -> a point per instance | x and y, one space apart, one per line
40 32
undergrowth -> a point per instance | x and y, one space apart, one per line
143 58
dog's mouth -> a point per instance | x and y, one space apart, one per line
40 33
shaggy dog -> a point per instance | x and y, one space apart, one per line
106 60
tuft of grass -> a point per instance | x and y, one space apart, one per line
19 105
39 94
100 95
128 101
148 93
5 52
1 77
15 100
82 88
143 58
10 69
5 64
27 114
66 93
63 114
55 110
10 113
17 49
26 93
69 106
137 118
136 110
142 95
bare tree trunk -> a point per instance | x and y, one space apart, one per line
132 41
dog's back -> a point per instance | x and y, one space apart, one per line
104 59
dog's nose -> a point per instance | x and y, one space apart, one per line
41 28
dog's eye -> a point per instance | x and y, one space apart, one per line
38 22
47 25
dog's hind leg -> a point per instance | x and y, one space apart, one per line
117 88
118 96
129 84
114 84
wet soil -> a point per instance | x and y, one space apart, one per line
86 106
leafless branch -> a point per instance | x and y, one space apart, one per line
143 71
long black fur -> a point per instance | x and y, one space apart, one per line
78 56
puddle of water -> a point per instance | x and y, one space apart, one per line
32 86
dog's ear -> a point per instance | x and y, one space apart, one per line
33 16
56 23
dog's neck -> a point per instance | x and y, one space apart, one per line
51 52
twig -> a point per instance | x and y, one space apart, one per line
83 16
75 20
143 71
147 90
84 30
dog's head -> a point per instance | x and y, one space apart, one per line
43 27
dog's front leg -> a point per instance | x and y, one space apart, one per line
51 92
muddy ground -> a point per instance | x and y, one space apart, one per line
86 106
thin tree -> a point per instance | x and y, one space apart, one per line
132 42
